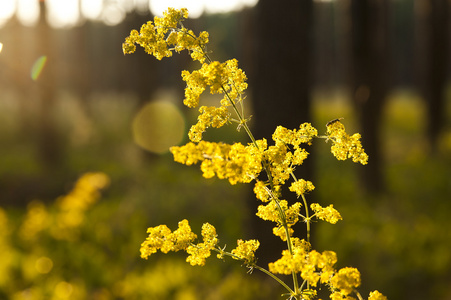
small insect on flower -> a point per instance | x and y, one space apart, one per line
333 121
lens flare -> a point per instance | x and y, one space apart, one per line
38 66
158 126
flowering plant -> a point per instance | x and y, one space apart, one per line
240 163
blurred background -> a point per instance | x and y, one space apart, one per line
72 104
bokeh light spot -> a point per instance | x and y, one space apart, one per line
38 66
28 12
113 15
158 126
44 265
63 290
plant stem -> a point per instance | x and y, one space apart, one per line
243 122
307 217
254 266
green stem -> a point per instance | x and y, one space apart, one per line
307 218
254 266
276 279
268 172
358 295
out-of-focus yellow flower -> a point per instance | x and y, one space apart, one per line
72 207
36 220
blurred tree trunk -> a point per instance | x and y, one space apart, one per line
370 79
434 47
141 68
49 143
281 83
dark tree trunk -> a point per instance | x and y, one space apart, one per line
49 142
281 81
370 79
434 47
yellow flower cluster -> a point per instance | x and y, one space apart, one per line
198 253
328 214
73 206
165 35
224 78
237 163
345 146
240 163
36 220
282 161
376 295
289 216
246 251
301 186
345 281
71 209
163 239
312 265
162 36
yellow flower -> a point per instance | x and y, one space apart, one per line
346 280
246 251
262 192
345 146
162 36
198 253
295 137
291 263
301 187
328 214
340 296
376 296
269 212
280 232
72 207
237 163
161 238
157 239
37 219
209 234
209 117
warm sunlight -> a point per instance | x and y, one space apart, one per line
27 12
68 13
63 13
7 8
197 7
